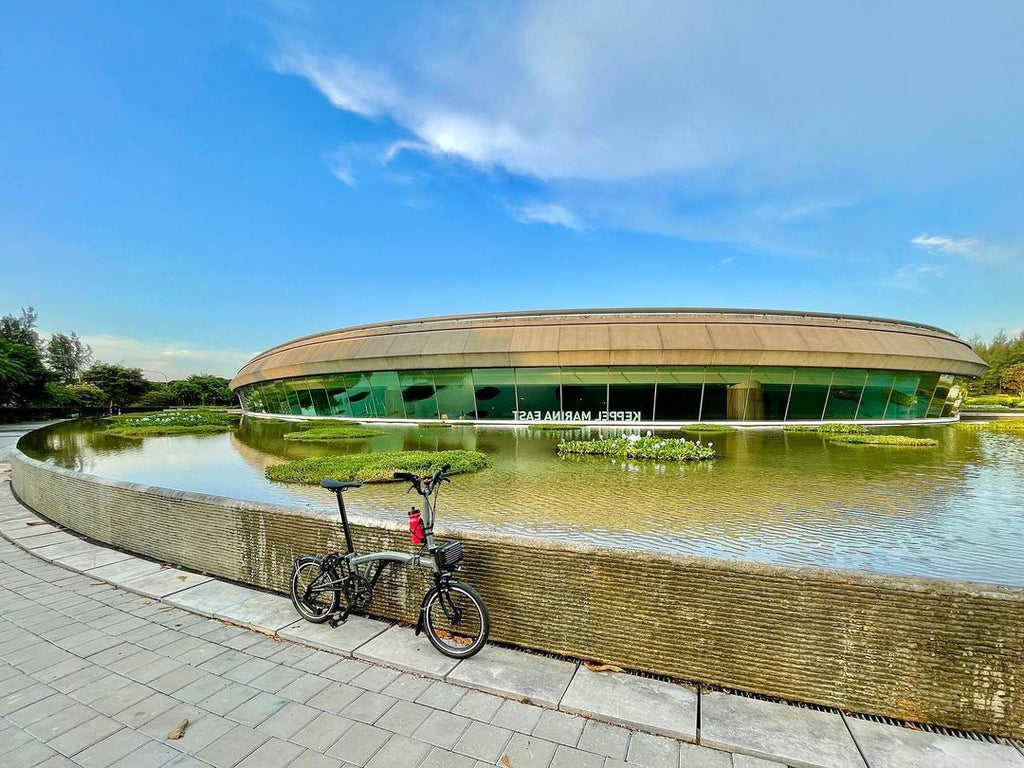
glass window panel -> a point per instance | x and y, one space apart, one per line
359 395
876 395
632 390
454 393
923 396
315 385
279 395
768 395
337 399
950 406
495 392
844 395
387 395
538 390
418 394
904 393
584 392
725 393
678 394
810 390
253 399
939 399
291 394
305 399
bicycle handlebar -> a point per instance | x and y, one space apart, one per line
424 485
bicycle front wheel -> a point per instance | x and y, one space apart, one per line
455 619
308 578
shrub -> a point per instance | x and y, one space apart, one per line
900 440
554 427
193 422
434 425
636 447
707 428
334 432
833 428
1006 401
1002 425
375 467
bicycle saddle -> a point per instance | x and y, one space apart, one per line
337 485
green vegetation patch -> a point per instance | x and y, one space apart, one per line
999 401
835 428
900 440
375 467
637 447
554 427
708 428
191 422
434 425
334 431
1007 425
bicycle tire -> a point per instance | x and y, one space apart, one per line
316 609
463 635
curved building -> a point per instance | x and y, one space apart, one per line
614 366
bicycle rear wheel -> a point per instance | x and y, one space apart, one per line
314 606
455 619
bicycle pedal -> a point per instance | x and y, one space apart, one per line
336 619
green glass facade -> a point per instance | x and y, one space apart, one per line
611 394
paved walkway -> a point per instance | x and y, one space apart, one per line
94 674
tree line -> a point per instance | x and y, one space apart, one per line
1005 358
59 372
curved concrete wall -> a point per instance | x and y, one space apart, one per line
602 337
916 649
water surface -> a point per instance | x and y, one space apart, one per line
954 512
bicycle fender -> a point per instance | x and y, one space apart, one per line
306 559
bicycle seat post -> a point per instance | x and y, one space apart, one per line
344 521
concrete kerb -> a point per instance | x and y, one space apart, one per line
316 636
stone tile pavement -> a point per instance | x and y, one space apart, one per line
94 673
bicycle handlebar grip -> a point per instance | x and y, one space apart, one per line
404 476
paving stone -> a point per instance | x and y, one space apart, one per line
141 712
275 678
442 696
94 559
222 662
442 729
290 654
345 639
287 720
124 697
404 717
368 707
232 747
257 709
40 710
272 754
30 753
523 751
559 727
248 670
637 702
162 583
695 756
124 570
515 675
176 679
748 761
335 698
360 743
375 678
517 716
207 685
484 742
604 739
568 757
321 732
776 731
110 749
652 751
261 611
228 698
478 706
60 552
152 754
408 687
345 670
48 728
23 697
399 752
316 662
211 597
310 758
37 538
889 746
441 758
399 647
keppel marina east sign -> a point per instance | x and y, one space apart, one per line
576 416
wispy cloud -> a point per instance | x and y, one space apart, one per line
172 358
972 248
546 213
915 277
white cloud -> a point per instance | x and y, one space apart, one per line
159 358
546 213
346 84
914 277
971 248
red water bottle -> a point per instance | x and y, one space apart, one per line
416 532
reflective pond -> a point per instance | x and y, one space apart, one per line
954 512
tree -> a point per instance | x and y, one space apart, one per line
201 389
21 330
121 385
1013 379
67 356
22 375
77 396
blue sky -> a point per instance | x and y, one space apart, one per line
186 184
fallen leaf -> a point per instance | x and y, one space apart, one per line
182 578
444 634
506 762
593 666
178 732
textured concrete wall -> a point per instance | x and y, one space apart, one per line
938 652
